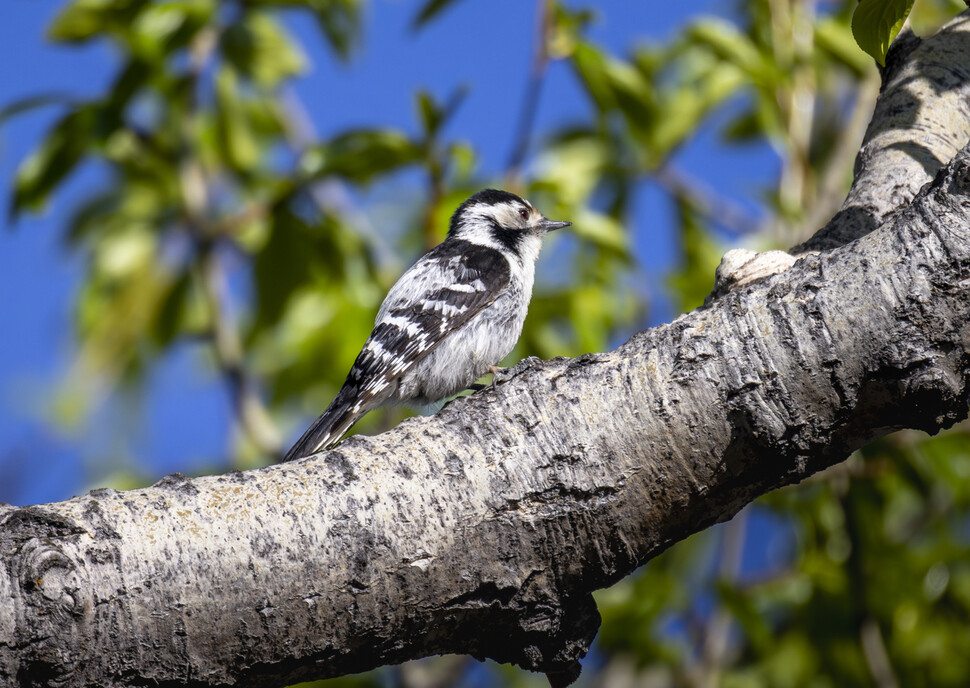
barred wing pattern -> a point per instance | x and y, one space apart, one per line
445 289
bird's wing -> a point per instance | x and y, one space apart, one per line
447 287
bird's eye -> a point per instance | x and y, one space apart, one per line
523 213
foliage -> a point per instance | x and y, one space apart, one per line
216 182
875 24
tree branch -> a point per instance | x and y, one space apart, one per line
484 529
921 119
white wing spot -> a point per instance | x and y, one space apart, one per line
409 327
378 350
447 309
475 286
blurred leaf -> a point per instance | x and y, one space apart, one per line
566 27
24 105
340 22
683 110
240 147
591 67
130 80
283 265
62 148
429 10
694 278
361 155
170 320
732 46
163 27
743 610
875 24
91 215
429 111
299 253
601 229
743 128
259 47
434 116
82 20
835 37
617 85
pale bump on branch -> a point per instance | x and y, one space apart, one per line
921 120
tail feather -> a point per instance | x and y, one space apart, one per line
326 430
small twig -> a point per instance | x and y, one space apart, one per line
870 637
877 658
328 195
718 628
250 411
828 197
530 104
706 199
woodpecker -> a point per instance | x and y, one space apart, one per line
452 317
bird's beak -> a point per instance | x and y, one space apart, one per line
550 225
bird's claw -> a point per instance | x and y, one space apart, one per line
502 375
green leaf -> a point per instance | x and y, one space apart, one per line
743 128
163 27
616 85
603 230
340 22
834 36
591 65
296 253
23 105
875 24
433 115
92 215
83 20
362 154
237 140
742 608
262 50
282 266
170 318
430 10
683 110
429 112
54 159
566 28
730 45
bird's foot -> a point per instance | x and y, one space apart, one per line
502 375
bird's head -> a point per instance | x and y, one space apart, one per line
500 219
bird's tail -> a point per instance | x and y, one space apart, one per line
327 430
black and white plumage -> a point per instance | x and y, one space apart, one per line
448 320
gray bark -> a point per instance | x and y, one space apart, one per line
484 529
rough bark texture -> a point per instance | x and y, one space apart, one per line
485 528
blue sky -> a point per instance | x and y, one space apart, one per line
183 418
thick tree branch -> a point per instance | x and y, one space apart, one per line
484 529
